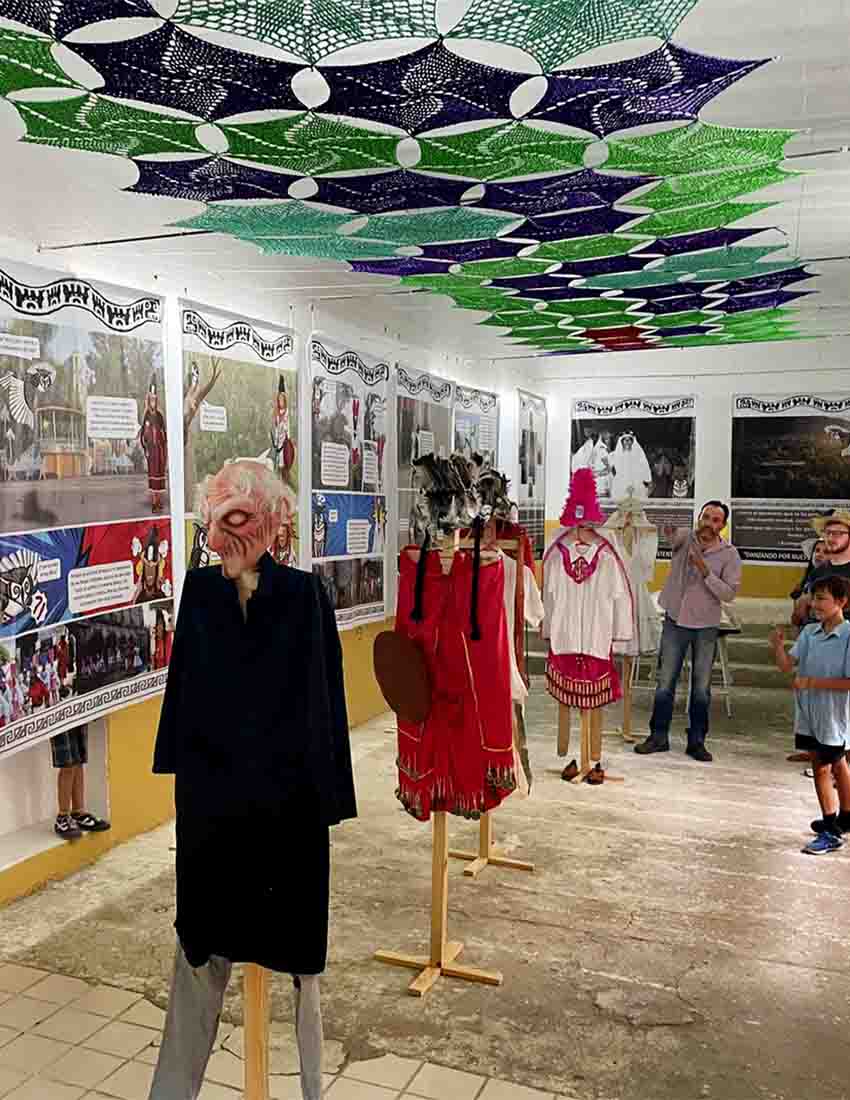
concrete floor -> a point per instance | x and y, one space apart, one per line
673 944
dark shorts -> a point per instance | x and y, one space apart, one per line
70 748
824 754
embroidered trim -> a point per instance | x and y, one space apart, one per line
580 570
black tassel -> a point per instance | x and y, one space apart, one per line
419 590
476 571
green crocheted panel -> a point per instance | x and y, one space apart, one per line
274 219
589 248
700 147
316 28
501 152
324 248
554 31
505 269
711 187
697 218
312 145
26 62
436 226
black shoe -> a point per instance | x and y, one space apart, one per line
842 825
651 745
90 824
67 828
699 752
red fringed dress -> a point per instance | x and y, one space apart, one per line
461 758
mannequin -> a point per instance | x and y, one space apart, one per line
588 607
256 758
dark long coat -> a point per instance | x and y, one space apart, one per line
254 728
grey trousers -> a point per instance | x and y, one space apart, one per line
194 1011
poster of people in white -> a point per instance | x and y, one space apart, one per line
790 462
641 446
531 490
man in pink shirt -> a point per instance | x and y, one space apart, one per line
705 573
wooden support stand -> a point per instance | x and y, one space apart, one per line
591 742
628 671
486 853
441 961
255 1001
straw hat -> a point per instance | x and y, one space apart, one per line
839 515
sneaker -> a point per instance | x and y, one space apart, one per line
821 845
67 828
651 745
570 771
91 824
699 752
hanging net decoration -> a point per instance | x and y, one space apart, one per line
777 280
686 319
668 84
772 299
717 265
591 311
500 152
442 284
554 31
422 91
278 219
26 62
312 145
210 179
171 68
463 252
484 299
104 126
709 187
676 298
400 266
742 257
57 18
312 29
597 221
387 191
587 248
695 218
433 226
700 147
554 194
323 248
695 242
506 269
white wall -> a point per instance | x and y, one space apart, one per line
712 376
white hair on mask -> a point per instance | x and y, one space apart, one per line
252 476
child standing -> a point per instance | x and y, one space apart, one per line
822 705
70 753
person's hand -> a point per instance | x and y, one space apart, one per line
776 639
698 560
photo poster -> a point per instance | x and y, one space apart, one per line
86 572
530 492
240 400
646 445
350 480
790 463
424 426
476 424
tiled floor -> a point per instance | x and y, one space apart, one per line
62 1039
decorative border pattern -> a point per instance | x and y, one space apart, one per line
635 404
29 731
40 301
239 332
439 389
795 401
466 397
349 360
532 401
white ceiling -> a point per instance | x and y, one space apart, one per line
54 198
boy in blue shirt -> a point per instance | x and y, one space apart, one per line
822 705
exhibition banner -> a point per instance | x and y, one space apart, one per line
645 446
240 400
349 483
530 493
476 424
424 426
86 570
790 462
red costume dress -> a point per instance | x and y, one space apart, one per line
460 759
154 444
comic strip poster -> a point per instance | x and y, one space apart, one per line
530 493
349 478
790 462
85 535
476 424
643 446
424 426
240 400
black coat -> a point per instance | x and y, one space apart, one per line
254 728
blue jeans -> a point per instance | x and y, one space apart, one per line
675 642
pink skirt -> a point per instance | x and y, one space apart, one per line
583 682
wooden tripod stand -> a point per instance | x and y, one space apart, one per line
487 853
255 1002
591 741
441 960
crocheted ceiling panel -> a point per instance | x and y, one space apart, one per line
388 191
422 91
312 145
573 191
280 219
210 179
669 83
171 68
554 31
426 226
58 18
555 227
312 29
697 148
105 126
502 152
705 187
26 62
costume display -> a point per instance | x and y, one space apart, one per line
630 472
154 442
587 602
523 605
254 728
636 541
